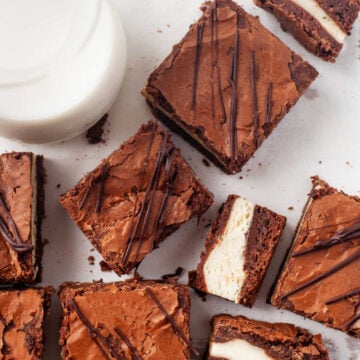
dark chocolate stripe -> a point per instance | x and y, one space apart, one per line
199 38
145 209
101 184
84 198
343 235
352 320
14 240
343 296
234 95
254 99
172 322
134 354
95 333
269 105
334 269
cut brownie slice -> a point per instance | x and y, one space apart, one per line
227 84
320 278
136 197
239 248
125 320
235 335
22 314
21 212
319 25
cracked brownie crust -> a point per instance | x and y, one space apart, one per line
136 197
125 320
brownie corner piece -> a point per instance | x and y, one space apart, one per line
262 340
23 311
125 320
238 251
319 277
22 178
227 84
320 26
136 197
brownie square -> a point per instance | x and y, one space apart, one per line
227 84
22 179
319 279
239 248
136 197
321 26
125 320
262 340
22 314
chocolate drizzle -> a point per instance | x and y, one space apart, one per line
343 235
172 322
100 182
254 98
334 269
199 38
234 100
269 105
134 354
343 296
95 334
12 238
146 206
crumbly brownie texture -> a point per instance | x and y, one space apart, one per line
125 320
227 84
22 313
262 340
319 25
320 278
239 248
21 213
136 197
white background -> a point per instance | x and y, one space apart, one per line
319 136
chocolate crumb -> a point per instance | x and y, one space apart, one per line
91 260
173 276
240 177
92 249
200 294
95 133
104 266
58 186
206 163
290 208
45 241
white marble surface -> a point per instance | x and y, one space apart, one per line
319 136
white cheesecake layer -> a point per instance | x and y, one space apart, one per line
223 270
237 350
317 12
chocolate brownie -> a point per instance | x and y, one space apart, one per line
319 279
136 197
227 84
239 248
125 320
21 212
251 339
22 314
320 26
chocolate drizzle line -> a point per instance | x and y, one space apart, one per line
343 296
343 235
234 99
95 333
334 269
134 354
14 240
199 38
254 98
269 105
172 322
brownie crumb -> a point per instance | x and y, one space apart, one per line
91 260
290 208
200 294
240 177
58 186
173 276
320 162
95 133
206 162
104 266
93 249
45 242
